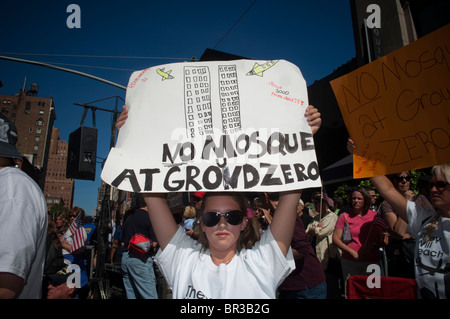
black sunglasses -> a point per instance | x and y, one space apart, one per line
211 219
438 184
401 178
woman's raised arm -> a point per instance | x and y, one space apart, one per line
161 217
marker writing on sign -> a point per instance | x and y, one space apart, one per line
192 177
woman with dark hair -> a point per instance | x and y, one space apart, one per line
261 207
367 232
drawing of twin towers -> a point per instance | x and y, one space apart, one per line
197 100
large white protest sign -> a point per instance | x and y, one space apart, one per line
214 126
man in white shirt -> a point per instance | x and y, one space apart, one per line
23 223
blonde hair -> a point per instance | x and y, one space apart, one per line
64 216
189 212
444 170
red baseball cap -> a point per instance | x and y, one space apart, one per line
199 194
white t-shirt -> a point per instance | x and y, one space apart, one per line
23 230
252 274
431 258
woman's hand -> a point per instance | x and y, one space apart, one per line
354 254
122 118
410 195
313 118
351 147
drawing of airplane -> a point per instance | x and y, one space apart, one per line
164 75
258 69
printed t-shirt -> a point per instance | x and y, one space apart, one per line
431 258
253 273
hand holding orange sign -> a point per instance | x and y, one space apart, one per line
397 108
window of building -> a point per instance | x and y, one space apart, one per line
37 139
40 121
41 112
36 147
27 107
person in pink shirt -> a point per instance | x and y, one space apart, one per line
368 233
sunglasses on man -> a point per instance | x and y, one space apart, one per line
439 184
211 219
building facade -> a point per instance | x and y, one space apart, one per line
58 189
379 28
34 117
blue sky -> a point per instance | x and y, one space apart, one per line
315 35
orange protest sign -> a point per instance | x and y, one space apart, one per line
397 108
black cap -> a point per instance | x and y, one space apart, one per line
8 138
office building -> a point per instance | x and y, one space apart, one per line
58 189
34 117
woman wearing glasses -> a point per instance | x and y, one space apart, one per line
431 228
228 261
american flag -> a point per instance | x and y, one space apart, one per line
77 230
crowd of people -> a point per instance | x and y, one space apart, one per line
324 259
229 244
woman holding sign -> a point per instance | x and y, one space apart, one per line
430 228
230 261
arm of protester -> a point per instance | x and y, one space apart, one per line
397 225
160 215
283 221
64 243
10 285
337 235
161 218
386 189
388 192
